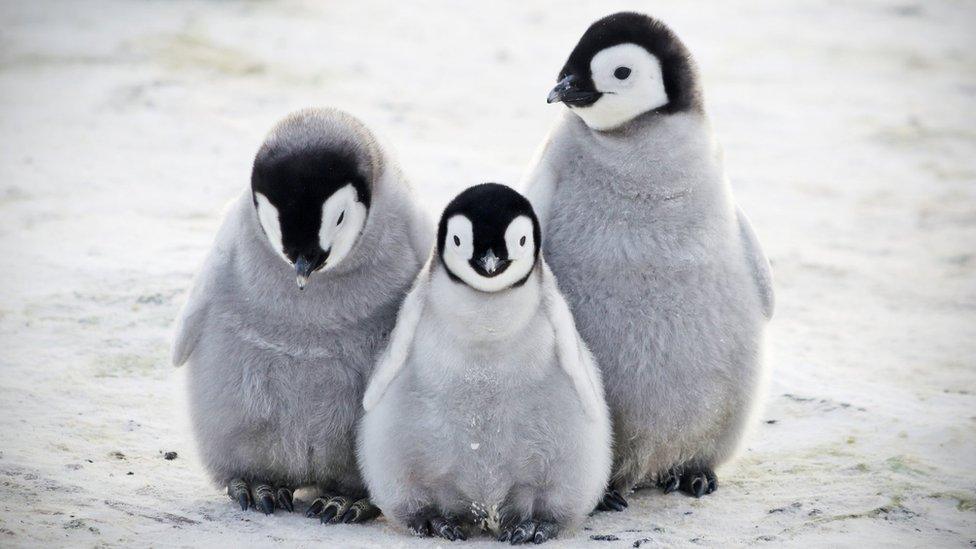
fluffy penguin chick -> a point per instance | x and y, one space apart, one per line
277 370
668 284
486 409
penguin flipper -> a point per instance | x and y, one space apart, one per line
401 339
574 357
758 262
192 320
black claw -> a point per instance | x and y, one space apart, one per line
315 508
284 499
696 481
609 503
523 532
360 511
332 510
238 491
619 498
328 514
505 535
420 528
349 516
670 481
444 528
264 498
244 500
369 511
694 484
545 531
712 482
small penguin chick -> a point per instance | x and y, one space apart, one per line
625 65
312 203
486 409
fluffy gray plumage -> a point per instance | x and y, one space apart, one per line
666 280
276 374
487 408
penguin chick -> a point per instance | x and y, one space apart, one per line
277 372
666 279
486 409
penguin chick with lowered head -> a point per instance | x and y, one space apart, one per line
486 408
666 279
277 372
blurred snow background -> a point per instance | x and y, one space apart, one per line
850 137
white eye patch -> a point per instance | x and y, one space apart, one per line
631 81
519 238
459 240
268 217
343 218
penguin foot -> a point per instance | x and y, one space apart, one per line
694 481
428 524
259 495
529 531
612 501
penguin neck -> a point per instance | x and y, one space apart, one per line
680 148
476 316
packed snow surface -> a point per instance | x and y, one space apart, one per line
850 137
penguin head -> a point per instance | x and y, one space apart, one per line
489 238
625 65
312 202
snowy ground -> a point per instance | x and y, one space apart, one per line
850 135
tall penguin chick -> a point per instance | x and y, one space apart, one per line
668 283
277 374
486 409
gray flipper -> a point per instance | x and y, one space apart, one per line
758 262
574 357
192 319
215 269
401 340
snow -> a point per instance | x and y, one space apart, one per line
849 137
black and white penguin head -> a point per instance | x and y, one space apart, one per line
312 204
489 238
625 65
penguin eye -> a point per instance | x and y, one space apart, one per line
522 241
621 73
341 217
457 241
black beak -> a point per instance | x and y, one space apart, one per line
490 265
570 92
305 265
